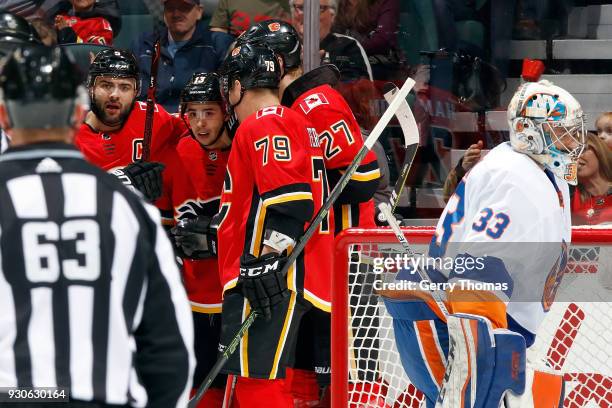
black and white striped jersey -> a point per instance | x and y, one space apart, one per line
90 295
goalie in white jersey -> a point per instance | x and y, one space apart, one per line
506 231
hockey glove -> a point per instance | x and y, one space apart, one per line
195 238
145 177
262 283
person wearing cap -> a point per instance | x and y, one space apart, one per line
187 46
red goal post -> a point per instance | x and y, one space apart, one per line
575 338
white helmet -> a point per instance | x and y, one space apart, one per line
547 123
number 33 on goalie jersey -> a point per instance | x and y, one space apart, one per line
515 217
276 169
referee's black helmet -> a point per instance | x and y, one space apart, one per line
40 87
14 31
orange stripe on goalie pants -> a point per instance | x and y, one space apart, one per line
480 303
431 349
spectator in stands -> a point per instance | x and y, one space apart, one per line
235 16
592 199
604 128
187 46
374 23
85 21
341 50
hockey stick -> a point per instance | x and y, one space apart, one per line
227 352
299 247
148 129
411 137
385 209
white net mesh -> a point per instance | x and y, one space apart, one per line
575 338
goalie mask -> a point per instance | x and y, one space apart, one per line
547 123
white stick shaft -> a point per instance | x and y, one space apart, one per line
386 211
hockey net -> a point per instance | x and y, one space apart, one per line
575 338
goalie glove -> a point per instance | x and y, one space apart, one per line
195 238
262 283
145 177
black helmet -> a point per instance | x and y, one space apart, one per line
253 66
277 35
202 87
40 86
14 31
115 63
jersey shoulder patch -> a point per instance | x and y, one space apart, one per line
312 101
271 110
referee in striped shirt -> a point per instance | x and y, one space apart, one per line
90 297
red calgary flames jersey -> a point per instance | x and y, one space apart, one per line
276 167
110 150
593 210
207 172
340 139
95 30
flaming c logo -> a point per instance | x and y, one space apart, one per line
274 27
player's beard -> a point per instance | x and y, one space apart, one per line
98 109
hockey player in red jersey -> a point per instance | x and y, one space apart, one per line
112 136
204 154
275 182
312 96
